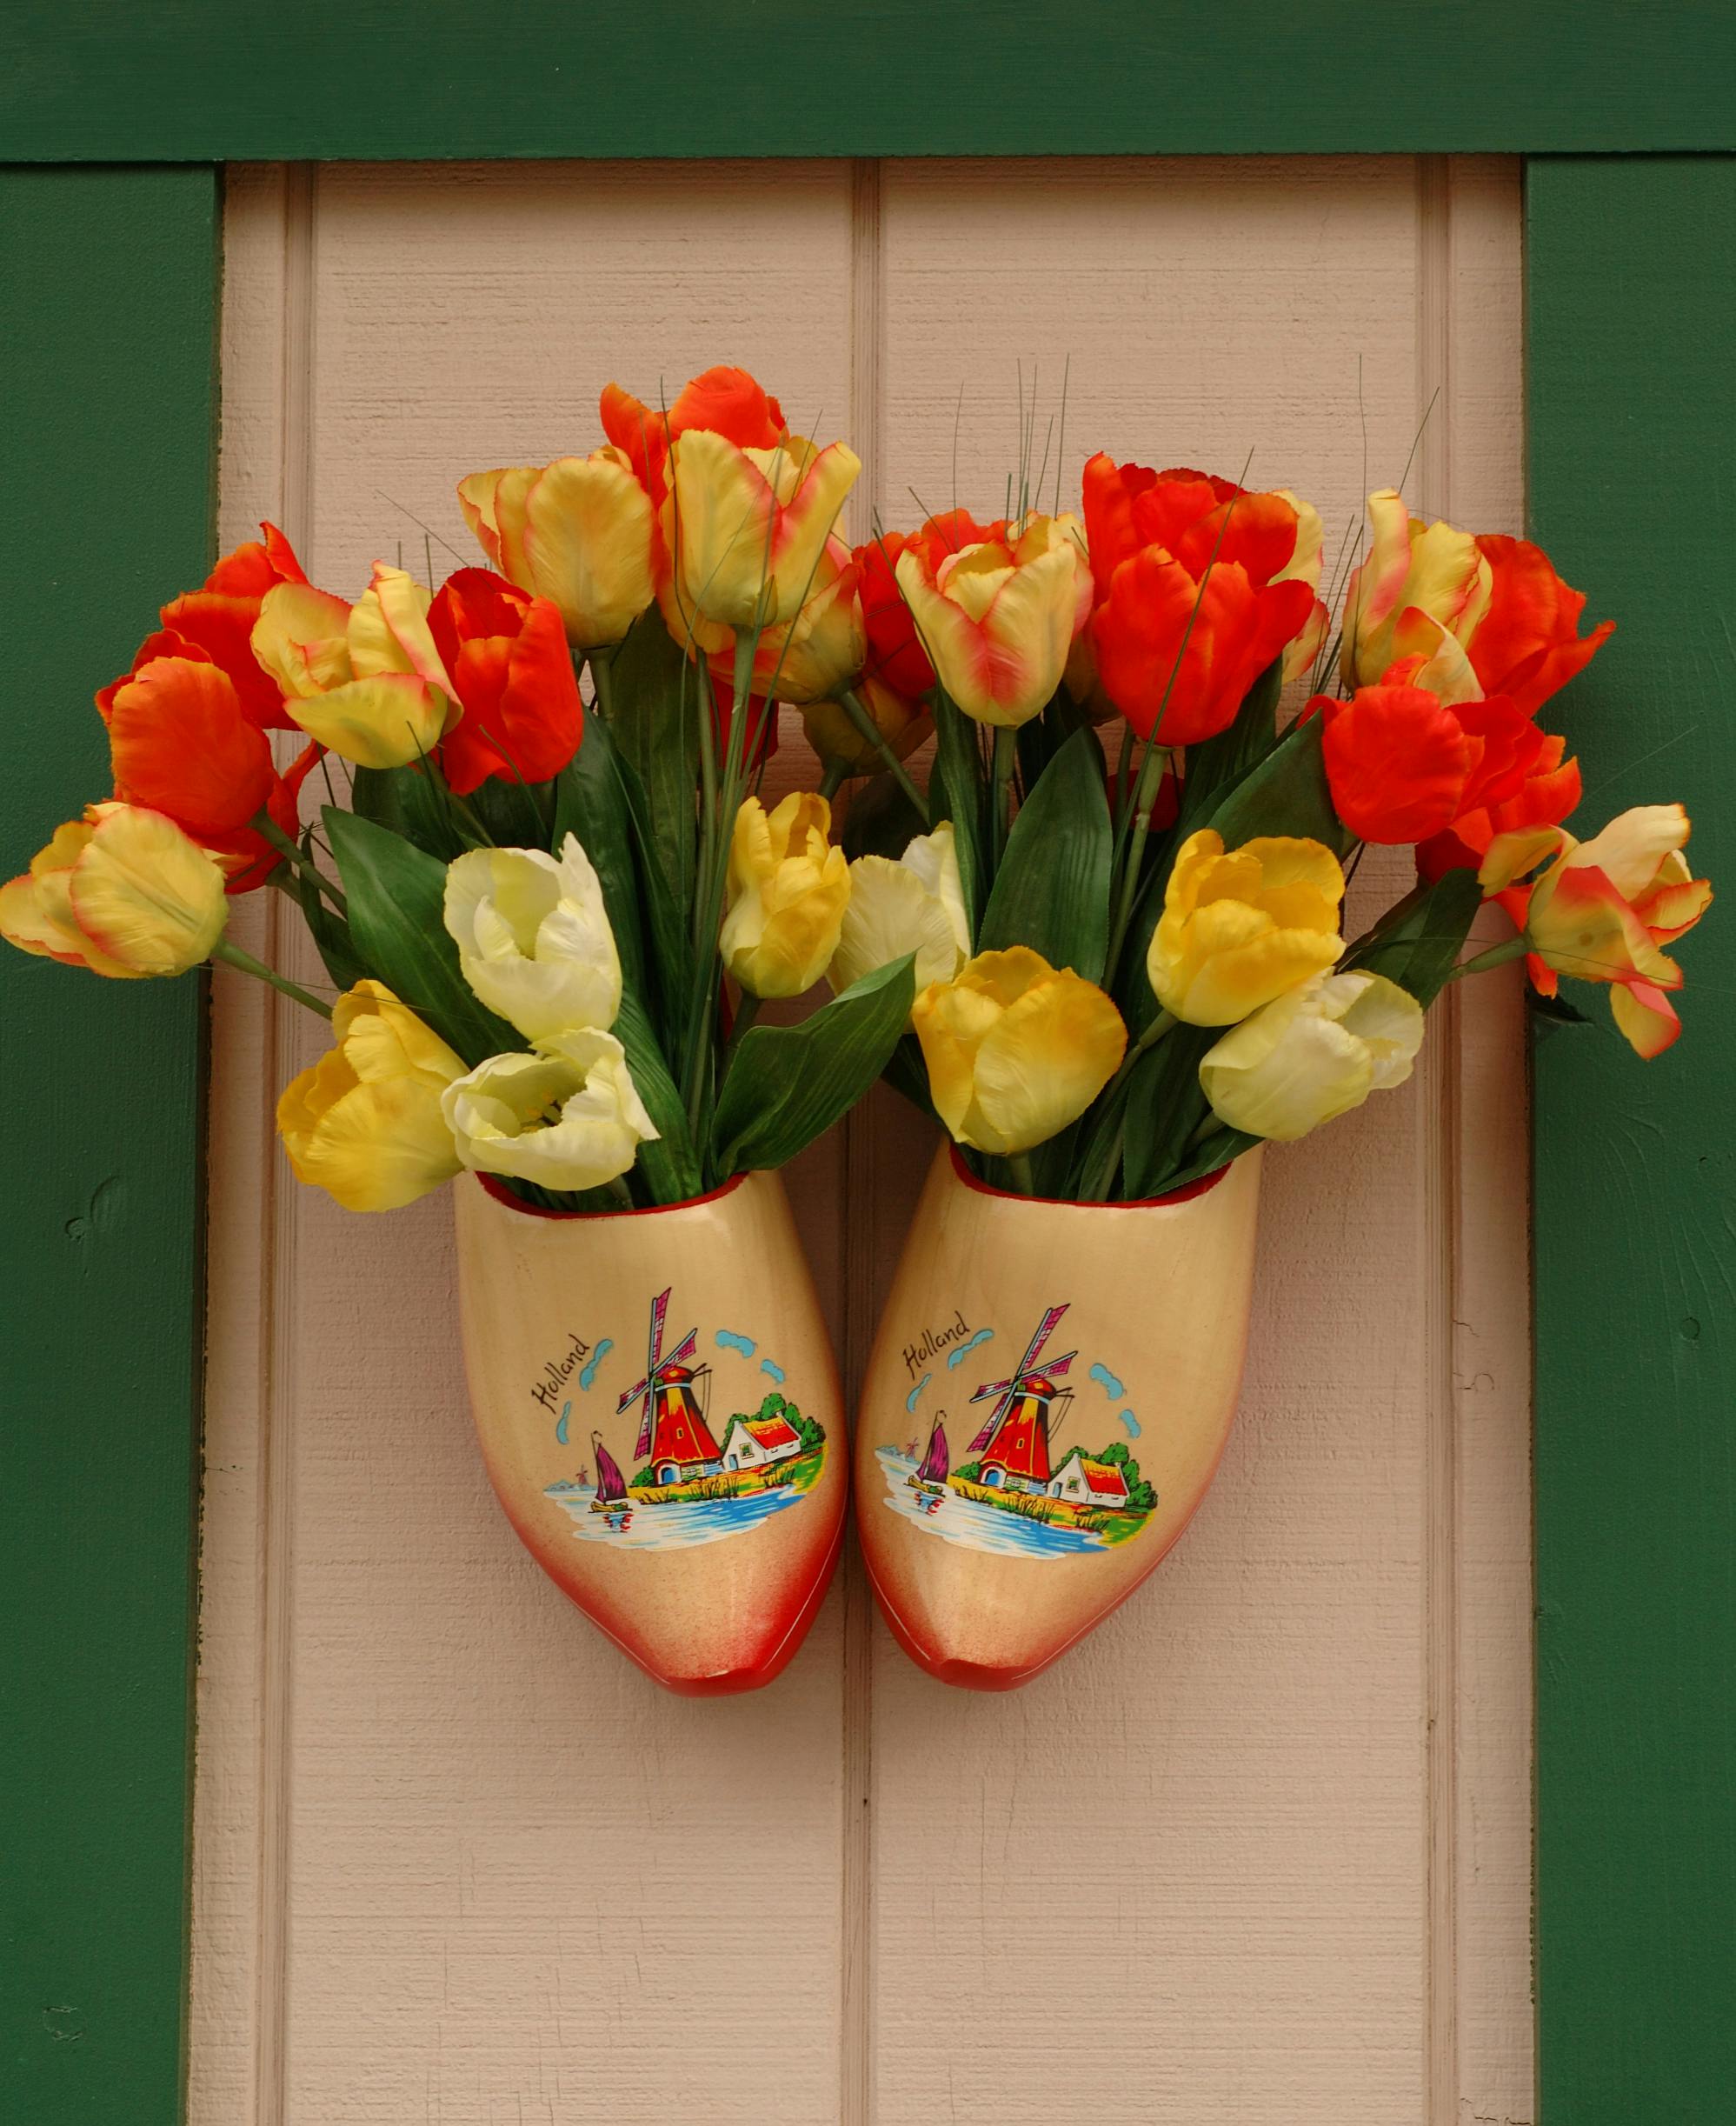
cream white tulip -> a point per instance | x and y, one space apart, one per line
534 938
568 1118
1312 1055
913 903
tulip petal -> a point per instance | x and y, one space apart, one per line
385 722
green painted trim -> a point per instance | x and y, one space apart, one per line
109 280
330 80
1632 316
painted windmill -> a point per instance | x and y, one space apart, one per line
672 1432
1013 1442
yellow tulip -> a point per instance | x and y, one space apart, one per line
749 526
915 905
824 647
122 892
378 694
1016 1048
998 618
568 1117
1238 930
534 938
789 890
364 1123
1312 1055
1422 589
579 532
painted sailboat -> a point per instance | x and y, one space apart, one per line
931 1473
611 1486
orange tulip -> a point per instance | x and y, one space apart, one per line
512 672
1527 645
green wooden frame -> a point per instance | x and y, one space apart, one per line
109 278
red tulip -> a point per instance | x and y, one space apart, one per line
512 672
1527 645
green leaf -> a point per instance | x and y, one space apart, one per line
785 1084
954 794
1051 890
1217 1151
514 815
1287 793
655 698
590 803
1216 765
1164 1107
670 1166
666 932
396 892
880 821
1418 944
411 804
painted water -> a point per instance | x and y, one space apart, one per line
977 1527
675 1525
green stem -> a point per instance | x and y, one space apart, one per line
1019 1165
1145 794
709 906
267 830
232 956
601 663
1001 796
831 776
854 707
618 1189
1496 956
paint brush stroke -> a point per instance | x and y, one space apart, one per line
560 1429
1107 1380
588 1372
910 1400
1132 1425
776 1371
958 1357
728 1340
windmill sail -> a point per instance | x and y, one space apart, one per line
1004 1391
656 1364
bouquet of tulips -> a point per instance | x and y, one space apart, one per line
549 899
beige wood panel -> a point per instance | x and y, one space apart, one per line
448 1857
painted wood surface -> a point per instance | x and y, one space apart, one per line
1636 1261
107 455
457 1861
194 79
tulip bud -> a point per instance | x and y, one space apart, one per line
1429 580
580 533
1016 1048
822 649
789 890
835 739
1312 1055
915 905
534 938
1240 929
364 1123
387 701
568 1118
122 892
997 619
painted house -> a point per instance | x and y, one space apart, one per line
754 1443
682 1446
1016 1458
1082 1482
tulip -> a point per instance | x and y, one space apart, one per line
1240 928
1177 653
726 401
913 905
836 738
215 624
181 742
122 892
997 617
1527 645
789 889
821 650
1430 579
896 656
1603 910
1016 1048
513 673
750 525
1520 780
568 1118
1312 1055
364 1123
1398 761
534 938
1203 522
581 532
383 699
